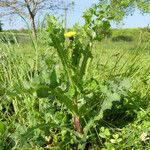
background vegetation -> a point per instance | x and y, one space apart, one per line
87 91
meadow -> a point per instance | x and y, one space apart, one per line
48 102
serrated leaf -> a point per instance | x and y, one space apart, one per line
114 97
53 79
106 105
126 84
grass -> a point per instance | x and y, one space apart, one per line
116 66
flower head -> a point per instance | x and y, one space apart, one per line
70 34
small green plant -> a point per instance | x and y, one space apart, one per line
75 55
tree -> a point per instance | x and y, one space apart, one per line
121 8
28 9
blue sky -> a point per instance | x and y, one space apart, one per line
136 20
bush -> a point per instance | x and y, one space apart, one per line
146 29
125 38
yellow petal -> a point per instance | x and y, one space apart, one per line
70 34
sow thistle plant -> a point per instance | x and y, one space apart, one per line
75 93
75 55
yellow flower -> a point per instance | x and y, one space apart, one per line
70 34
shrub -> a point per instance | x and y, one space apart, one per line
146 29
125 38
